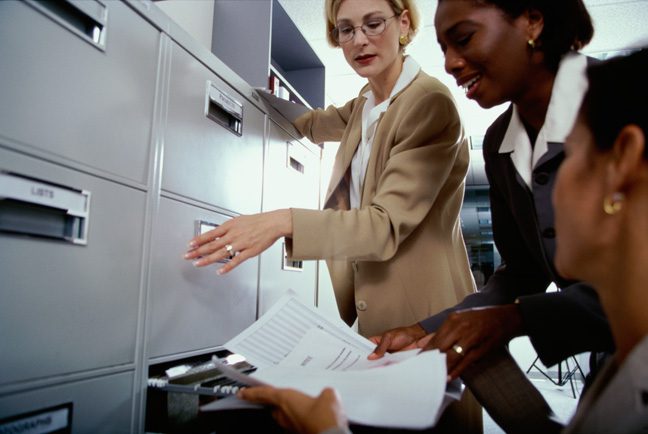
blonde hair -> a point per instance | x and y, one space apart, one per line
332 7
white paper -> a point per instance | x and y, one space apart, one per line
320 350
273 336
294 346
287 109
408 394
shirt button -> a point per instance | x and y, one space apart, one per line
541 178
361 305
549 233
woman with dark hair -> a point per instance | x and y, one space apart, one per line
601 201
524 52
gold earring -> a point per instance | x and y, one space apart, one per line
531 43
612 204
403 40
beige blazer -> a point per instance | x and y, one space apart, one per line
400 257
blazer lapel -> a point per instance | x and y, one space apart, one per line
380 142
337 196
553 150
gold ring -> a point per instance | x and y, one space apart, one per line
458 349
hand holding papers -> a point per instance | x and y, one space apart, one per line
294 346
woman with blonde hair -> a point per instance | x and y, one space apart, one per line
390 228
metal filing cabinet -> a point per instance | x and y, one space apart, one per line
213 146
70 293
120 139
69 300
87 100
78 83
97 405
291 180
194 309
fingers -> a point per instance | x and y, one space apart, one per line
384 344
234 262
260 395
424 341
399 339
209 247
207 237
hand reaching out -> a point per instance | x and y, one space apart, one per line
239 239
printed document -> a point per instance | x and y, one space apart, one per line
294 346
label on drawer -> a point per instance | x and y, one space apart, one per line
225 101
25 189
51 420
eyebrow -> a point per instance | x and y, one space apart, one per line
366 16
455 27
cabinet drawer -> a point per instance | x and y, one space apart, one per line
65 95
194 308
68 307
97 405
213 145
292 171
278 276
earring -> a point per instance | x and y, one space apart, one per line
612 204
531 43
403 40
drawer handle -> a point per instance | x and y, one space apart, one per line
224 110
295 164
202 226
289 265
33 207
84 18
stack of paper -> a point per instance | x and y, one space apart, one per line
294 346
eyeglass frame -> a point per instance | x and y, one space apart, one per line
335 31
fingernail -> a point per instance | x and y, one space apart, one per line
220 271
187 255
197 263
193 244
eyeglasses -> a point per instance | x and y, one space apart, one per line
374 27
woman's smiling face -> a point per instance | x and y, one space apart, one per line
485 50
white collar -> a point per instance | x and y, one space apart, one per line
566 96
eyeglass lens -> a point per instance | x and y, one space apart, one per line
372 27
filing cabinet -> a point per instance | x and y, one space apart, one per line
291 180
194 309
213 144
98 405
66 307
67 95
121 139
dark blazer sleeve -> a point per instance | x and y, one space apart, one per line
564 323
559 324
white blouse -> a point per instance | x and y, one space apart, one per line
566 97
370 114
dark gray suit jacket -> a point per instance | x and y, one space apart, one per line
559 324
